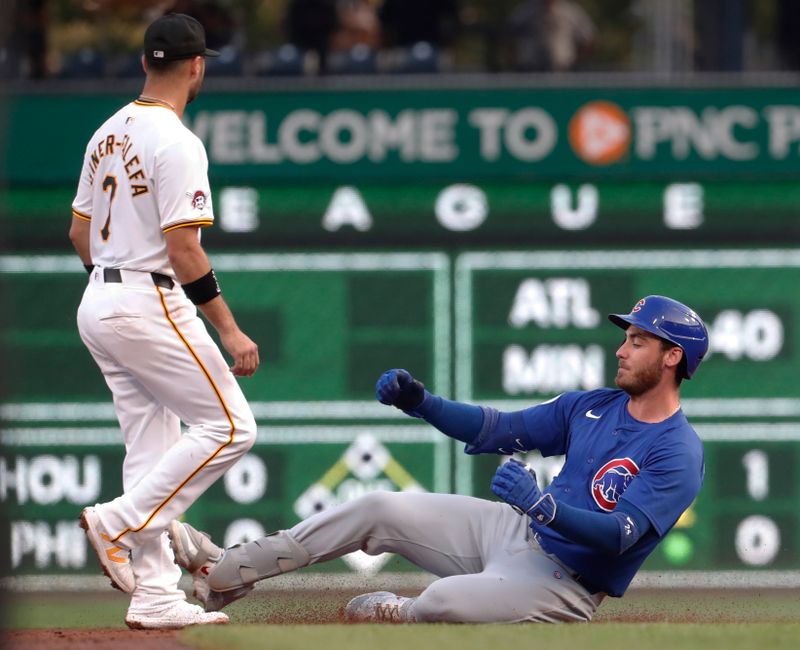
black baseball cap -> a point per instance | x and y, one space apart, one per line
175 36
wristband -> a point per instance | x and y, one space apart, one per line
89 267
203 289
544 510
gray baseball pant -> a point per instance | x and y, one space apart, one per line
491 568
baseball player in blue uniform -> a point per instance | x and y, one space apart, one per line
633 466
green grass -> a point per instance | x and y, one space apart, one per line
650 636
703 606
65 610
653 620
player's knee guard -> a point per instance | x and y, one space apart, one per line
265 557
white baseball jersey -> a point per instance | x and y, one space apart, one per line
144 173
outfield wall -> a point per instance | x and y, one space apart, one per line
477 236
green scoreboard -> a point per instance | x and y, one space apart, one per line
326 324
507 328
477 236
533 324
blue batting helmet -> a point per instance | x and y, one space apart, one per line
673 321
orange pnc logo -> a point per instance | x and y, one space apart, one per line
600 133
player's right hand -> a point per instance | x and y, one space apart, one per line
398 388
243 351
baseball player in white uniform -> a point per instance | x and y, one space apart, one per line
142 198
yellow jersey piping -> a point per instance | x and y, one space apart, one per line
201 223
151 103
212 456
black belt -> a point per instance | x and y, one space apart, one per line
159 279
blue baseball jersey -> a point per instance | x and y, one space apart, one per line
610 458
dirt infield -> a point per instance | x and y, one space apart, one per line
307 607
283 607
98 638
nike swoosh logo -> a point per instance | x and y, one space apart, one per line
589 414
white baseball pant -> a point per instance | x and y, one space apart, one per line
162 367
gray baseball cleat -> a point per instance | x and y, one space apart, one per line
195 552
379 607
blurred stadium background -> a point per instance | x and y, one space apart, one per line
464 188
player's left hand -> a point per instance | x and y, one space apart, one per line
399 388
515 483
243 350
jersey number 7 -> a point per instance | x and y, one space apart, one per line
109 182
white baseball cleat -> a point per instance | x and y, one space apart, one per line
195 552
114 560
172 616
379 607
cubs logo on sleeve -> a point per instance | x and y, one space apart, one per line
611 480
